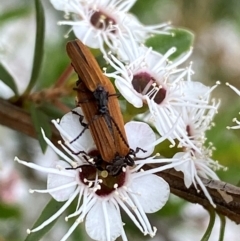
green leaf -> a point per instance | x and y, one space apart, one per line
8 79
39 44
130 112
181 39
164 148
51 110
8 211
172 208
48 78
208 232
142 8
51 208
40 120
222 227
17 12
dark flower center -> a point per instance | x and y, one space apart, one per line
144 83
189 134
188 129
87 175
101 21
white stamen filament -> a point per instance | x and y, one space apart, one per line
181 60
159 169
205 191
61 130
137 213
45 169
164 59
61 154
106 220
79 198
145 90
128 212
73 164
88 203
58 213
71 229
233 88
143 215
54 189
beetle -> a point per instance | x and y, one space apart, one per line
103 114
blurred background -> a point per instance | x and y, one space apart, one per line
216 56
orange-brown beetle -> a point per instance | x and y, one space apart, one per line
103 114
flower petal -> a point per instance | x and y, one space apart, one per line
153 57
129 94
88 37
186 168
140 135
153 192
55 180
97 222
70 123
196 89
63 5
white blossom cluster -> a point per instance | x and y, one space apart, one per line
180 109
105 22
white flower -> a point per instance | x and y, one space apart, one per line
180 109
99 22
194 160
189 128
100 195
184 113
235 119
196 121
146 74
195 165
150 78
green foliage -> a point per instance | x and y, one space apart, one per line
211 223
172 208
51 208
227 143
78 233
180 38
131 111
148 11
50 110
39 44
14 13
6 77
53 64
40 120
165 150
9 211
222 228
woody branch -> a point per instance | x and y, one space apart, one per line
225 196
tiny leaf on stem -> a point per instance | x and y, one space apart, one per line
39 44
40 120
8 79
181 39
